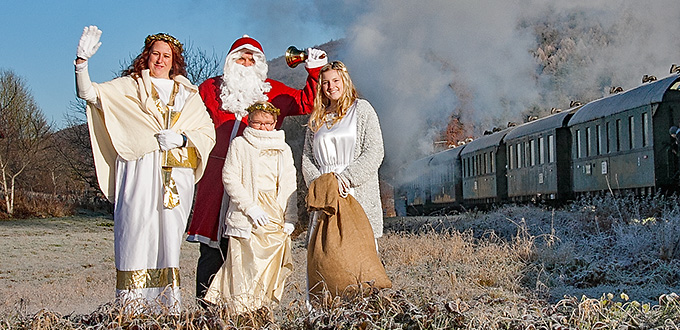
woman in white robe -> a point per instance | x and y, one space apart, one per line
151 137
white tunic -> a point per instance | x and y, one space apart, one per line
147 235
333 150
334 147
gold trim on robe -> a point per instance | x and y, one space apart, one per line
181 157
147 278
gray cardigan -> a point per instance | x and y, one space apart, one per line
362 173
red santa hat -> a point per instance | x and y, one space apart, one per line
246 42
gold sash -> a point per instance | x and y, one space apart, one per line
176 157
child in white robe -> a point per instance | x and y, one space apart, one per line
260 178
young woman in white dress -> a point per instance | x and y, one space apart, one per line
344 137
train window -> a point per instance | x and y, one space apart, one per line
466 168
487 163
645 131
475 163
631 132
578 144
532 150
588 135
472 166
606 133
481 164
598 143
618 135
511 157
527 154
493 169
519 155
551 148
462 165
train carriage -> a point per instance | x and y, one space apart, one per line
621 142
414 187
483 169
538 159
446 188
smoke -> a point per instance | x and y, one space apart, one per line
420 63
486 63
424 64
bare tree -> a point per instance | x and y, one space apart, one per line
75 148
25 133
200 64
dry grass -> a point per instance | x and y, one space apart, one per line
600 263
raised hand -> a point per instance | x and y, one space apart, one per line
89 42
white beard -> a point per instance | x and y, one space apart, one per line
242 86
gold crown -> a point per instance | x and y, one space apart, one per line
266 107
164 37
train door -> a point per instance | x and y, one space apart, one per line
667 153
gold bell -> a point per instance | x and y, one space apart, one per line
295 56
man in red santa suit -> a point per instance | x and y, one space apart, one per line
226 98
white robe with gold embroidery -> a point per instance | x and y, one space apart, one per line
123 121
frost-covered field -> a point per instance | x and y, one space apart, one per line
609 260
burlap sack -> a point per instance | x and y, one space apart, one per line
341 254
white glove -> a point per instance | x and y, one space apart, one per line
258 216
89 42
288 228
168 139
316 58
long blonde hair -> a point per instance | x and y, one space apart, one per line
349 95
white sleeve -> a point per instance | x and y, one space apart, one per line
84 87
232 172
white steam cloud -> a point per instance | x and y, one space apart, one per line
414 60
490 62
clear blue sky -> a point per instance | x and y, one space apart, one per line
39 38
